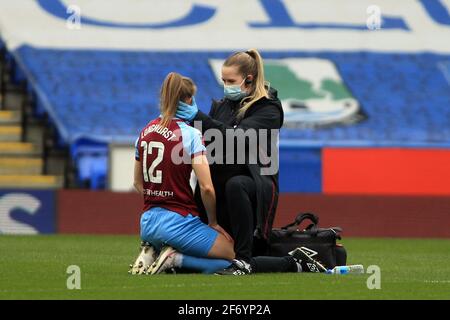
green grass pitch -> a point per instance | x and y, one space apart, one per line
34 267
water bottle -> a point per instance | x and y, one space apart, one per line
352 269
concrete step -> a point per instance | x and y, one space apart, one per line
13 100
9 116
18 149
30 182
10 133
20 166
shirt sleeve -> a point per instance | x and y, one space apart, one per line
197 143
136 152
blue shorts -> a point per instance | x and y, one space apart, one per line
187 235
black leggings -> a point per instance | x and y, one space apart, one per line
236 213
240 199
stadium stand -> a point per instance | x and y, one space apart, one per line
97 96
107 96
22 160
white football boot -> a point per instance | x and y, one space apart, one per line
145 259
165 261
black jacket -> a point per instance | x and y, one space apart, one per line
266 113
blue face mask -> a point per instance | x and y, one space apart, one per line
187 111
185 105
234 92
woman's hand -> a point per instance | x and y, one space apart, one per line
222 231
187 111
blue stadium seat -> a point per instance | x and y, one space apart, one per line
92 170
91 162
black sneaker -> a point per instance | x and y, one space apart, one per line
237 268
303 257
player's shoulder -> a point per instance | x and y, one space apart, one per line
188 129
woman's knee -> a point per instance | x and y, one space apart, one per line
237 184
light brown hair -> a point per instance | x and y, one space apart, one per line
248 63
174 88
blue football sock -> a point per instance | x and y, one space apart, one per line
205 265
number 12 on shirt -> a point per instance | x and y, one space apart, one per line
154 175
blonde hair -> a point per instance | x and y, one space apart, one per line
248 63
174 88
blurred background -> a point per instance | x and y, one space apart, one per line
365 87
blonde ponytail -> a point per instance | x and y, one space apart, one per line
175 88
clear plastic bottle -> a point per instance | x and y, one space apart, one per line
352 269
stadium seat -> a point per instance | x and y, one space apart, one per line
91 162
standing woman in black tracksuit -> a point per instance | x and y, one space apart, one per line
246 198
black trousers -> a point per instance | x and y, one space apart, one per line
236 213
239 216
